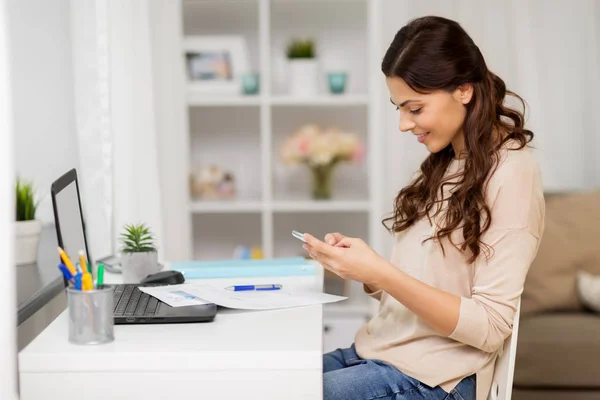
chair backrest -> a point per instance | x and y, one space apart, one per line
505 364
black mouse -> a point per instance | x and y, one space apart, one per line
166 277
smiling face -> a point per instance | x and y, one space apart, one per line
436 118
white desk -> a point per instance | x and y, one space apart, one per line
242 354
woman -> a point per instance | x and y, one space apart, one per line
466 230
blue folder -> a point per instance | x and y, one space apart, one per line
294 266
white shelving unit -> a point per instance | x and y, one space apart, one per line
243 133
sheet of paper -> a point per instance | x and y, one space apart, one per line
174 295
259 300
188 294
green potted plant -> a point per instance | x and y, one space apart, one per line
27 229
139 257
303 67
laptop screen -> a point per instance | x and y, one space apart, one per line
68 219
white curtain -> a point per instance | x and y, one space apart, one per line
137 195
546 51
115 118
89 40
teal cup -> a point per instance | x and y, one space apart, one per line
337 82
251 83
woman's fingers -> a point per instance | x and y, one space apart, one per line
347 242
321 259
333 238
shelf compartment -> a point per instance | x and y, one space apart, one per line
229 138
208 17
216 236
341 40
350 181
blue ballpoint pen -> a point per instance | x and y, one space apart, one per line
78 281
238 288
66 273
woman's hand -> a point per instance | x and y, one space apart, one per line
334 239
349 258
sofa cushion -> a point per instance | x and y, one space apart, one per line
571 241
560 350
555 394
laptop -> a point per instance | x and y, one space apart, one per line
131 305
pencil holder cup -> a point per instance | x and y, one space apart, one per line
90 316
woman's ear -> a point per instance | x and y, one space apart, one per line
464 93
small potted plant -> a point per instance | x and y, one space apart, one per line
139 257
303 67
27 229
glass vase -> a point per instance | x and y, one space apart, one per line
322 181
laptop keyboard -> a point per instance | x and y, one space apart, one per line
131 301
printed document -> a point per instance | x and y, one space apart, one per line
202 293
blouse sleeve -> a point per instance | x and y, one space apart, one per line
517 211
375 295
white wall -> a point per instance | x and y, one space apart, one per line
8 298
42 92
547 52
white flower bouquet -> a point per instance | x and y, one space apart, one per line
321 150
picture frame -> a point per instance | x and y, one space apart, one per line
215 63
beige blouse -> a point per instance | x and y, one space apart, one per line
489 289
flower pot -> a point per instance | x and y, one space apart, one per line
27 240
137 266
303 77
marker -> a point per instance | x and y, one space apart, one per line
66 260
85 270
86 282
239 288
84 265
100 275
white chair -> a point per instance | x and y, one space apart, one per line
505 364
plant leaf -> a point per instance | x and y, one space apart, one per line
136 238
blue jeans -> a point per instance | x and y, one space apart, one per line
346 376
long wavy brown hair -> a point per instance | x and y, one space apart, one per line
432 54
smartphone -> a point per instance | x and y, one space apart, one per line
298 236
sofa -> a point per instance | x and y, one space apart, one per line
558 346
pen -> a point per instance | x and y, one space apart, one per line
66 260
238 288
78 281
66 273
100 275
